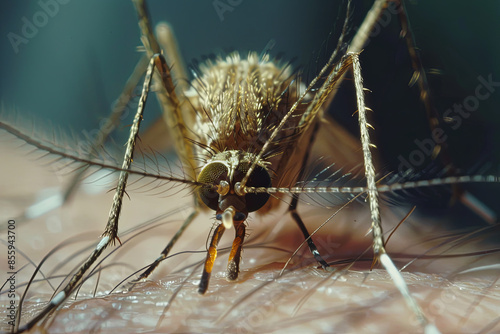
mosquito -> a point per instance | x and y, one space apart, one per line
239 154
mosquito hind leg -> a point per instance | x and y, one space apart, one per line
295 199
420 77
440 150
307 236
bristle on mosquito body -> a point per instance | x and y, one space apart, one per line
240 99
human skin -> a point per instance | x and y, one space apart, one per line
305 298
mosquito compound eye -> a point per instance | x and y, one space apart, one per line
212 173
259 178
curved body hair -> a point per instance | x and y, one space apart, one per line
238 101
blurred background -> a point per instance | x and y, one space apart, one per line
67 62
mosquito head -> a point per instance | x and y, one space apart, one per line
225 171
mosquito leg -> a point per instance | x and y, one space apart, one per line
167 249
420 77
233 265
158 135
307 236
172 105
295 199
363 33
166 94
104 132
211 255
111 230
378 239
114 214
111 122
168 42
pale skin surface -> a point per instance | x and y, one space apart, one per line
357 301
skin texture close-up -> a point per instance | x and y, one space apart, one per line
304 298
70 71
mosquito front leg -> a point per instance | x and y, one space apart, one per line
111 230
111 122
169 100
307 236
378 243
211 255
233 265
110 233
37 209
378 239
172 108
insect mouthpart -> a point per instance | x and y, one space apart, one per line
225 171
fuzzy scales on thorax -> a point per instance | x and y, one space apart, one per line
239 103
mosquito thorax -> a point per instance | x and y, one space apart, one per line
224 171
239 101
